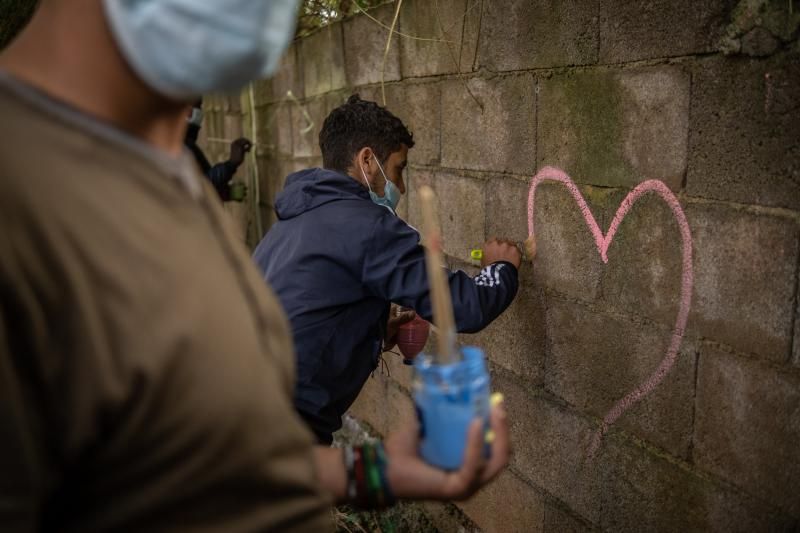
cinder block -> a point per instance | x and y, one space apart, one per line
643 275
461 214
550 445
203 135
287 167
399 409
334 99
506 505
232 126
595 360
745 274
269 183
262 92
497 132
307 119
516 339
294 165
240 219
212 129
274 130
525 34
223 102
213 125
616 128
557 520
644 492
364 45
370 404
323 60
415 179
234 102
384 405
419 107
632 31
401 373
567 260
747 429
507 209
288 77
272 175
306 122
211 102
216 147
447 32
743 143
371 93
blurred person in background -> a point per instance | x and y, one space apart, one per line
221 174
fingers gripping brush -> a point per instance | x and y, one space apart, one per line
451 386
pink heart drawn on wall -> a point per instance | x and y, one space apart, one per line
603 242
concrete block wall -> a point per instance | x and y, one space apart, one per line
700 95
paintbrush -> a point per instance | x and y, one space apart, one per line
439 290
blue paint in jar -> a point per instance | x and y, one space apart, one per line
448 397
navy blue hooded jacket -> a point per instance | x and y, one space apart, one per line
336 260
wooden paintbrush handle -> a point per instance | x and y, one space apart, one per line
440 292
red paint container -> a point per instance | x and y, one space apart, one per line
411 338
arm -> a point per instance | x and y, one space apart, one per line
220 174
331 473
199 156
394 269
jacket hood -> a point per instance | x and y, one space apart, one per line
308 189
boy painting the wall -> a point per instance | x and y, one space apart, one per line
339 256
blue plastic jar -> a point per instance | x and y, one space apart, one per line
448 398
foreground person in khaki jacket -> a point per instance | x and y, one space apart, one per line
128 399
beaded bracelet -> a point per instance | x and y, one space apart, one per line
349 461
367 483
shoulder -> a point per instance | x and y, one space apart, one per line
391 234
390 223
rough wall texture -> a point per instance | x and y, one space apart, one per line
702 95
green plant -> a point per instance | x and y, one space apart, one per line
14 14
317 13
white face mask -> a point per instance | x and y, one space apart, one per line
196 118
187 48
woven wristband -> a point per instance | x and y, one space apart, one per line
349 463
367 482
388 495
379 494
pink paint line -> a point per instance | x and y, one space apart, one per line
603 242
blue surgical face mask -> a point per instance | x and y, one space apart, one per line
186 48
391 194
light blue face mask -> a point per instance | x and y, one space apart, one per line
186 48
391 194
196 118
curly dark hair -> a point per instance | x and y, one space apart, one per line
357 124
